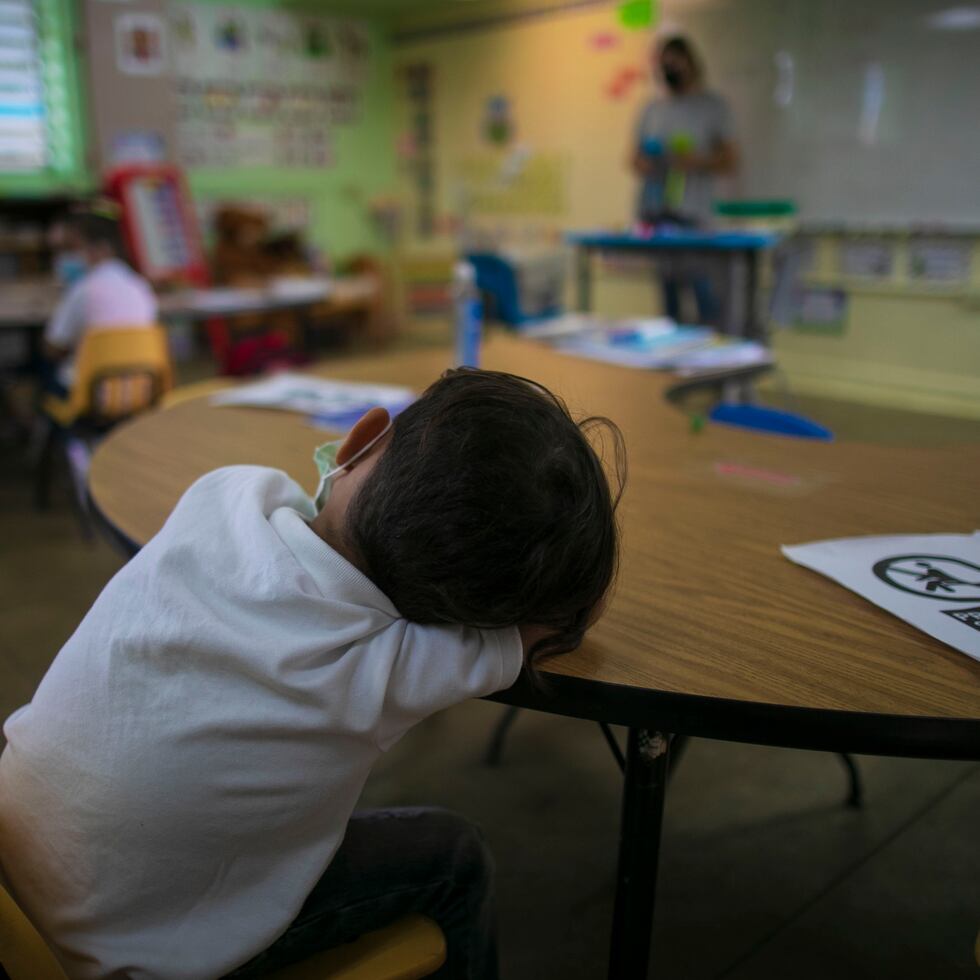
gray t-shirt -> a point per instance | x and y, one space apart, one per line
696 122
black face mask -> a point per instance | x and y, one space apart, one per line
674 79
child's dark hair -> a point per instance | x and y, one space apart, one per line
97 223
490 507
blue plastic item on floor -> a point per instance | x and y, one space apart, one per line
762 419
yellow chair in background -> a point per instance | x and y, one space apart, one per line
410 948
119 372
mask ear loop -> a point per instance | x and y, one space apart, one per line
329 474
360 452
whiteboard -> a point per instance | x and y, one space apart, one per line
862 111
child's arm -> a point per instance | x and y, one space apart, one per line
66 324
435 667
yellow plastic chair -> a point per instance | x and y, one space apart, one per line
118 372
410 948
23 953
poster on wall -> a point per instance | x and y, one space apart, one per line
140 44
262 87
138 146
938 260
819 309
866 258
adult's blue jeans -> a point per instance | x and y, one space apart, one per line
705 303
393 863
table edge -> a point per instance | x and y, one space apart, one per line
758 723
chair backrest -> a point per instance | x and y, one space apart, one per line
23 953
762 419
120 371
498 280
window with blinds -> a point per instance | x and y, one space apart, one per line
36 134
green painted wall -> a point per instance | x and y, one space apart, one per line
338 196
364 165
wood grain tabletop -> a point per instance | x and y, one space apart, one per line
706 606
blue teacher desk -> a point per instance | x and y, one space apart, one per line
740 251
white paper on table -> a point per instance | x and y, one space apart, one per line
568 324
722 357
562 326
231 298
299 288
311 395
930 580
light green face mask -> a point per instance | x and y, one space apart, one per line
325 457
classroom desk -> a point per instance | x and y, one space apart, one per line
740 251
711 632
28 304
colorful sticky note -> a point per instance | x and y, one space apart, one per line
622 82
635 15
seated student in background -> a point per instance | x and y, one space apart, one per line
684 139
177 798
104 291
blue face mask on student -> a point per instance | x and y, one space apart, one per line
69 267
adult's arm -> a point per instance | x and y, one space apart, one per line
721 160
643 165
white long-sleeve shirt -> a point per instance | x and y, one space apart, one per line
184 773
109 296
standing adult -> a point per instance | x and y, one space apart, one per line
684 140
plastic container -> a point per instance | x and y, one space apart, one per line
744 215
467 315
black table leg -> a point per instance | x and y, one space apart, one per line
583 278
644 791
753 329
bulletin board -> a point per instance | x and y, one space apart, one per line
261 87
535 185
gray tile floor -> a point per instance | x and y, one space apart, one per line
765 874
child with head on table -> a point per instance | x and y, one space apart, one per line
177 801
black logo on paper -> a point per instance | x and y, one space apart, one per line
968 617
932 576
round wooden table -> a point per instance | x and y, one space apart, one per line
711 631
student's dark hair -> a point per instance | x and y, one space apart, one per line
97 223
491 507
679 44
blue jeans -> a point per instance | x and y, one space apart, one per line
393 863
704 298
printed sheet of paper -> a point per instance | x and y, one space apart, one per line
649 346
337 404
930 580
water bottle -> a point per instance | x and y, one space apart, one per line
468 315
